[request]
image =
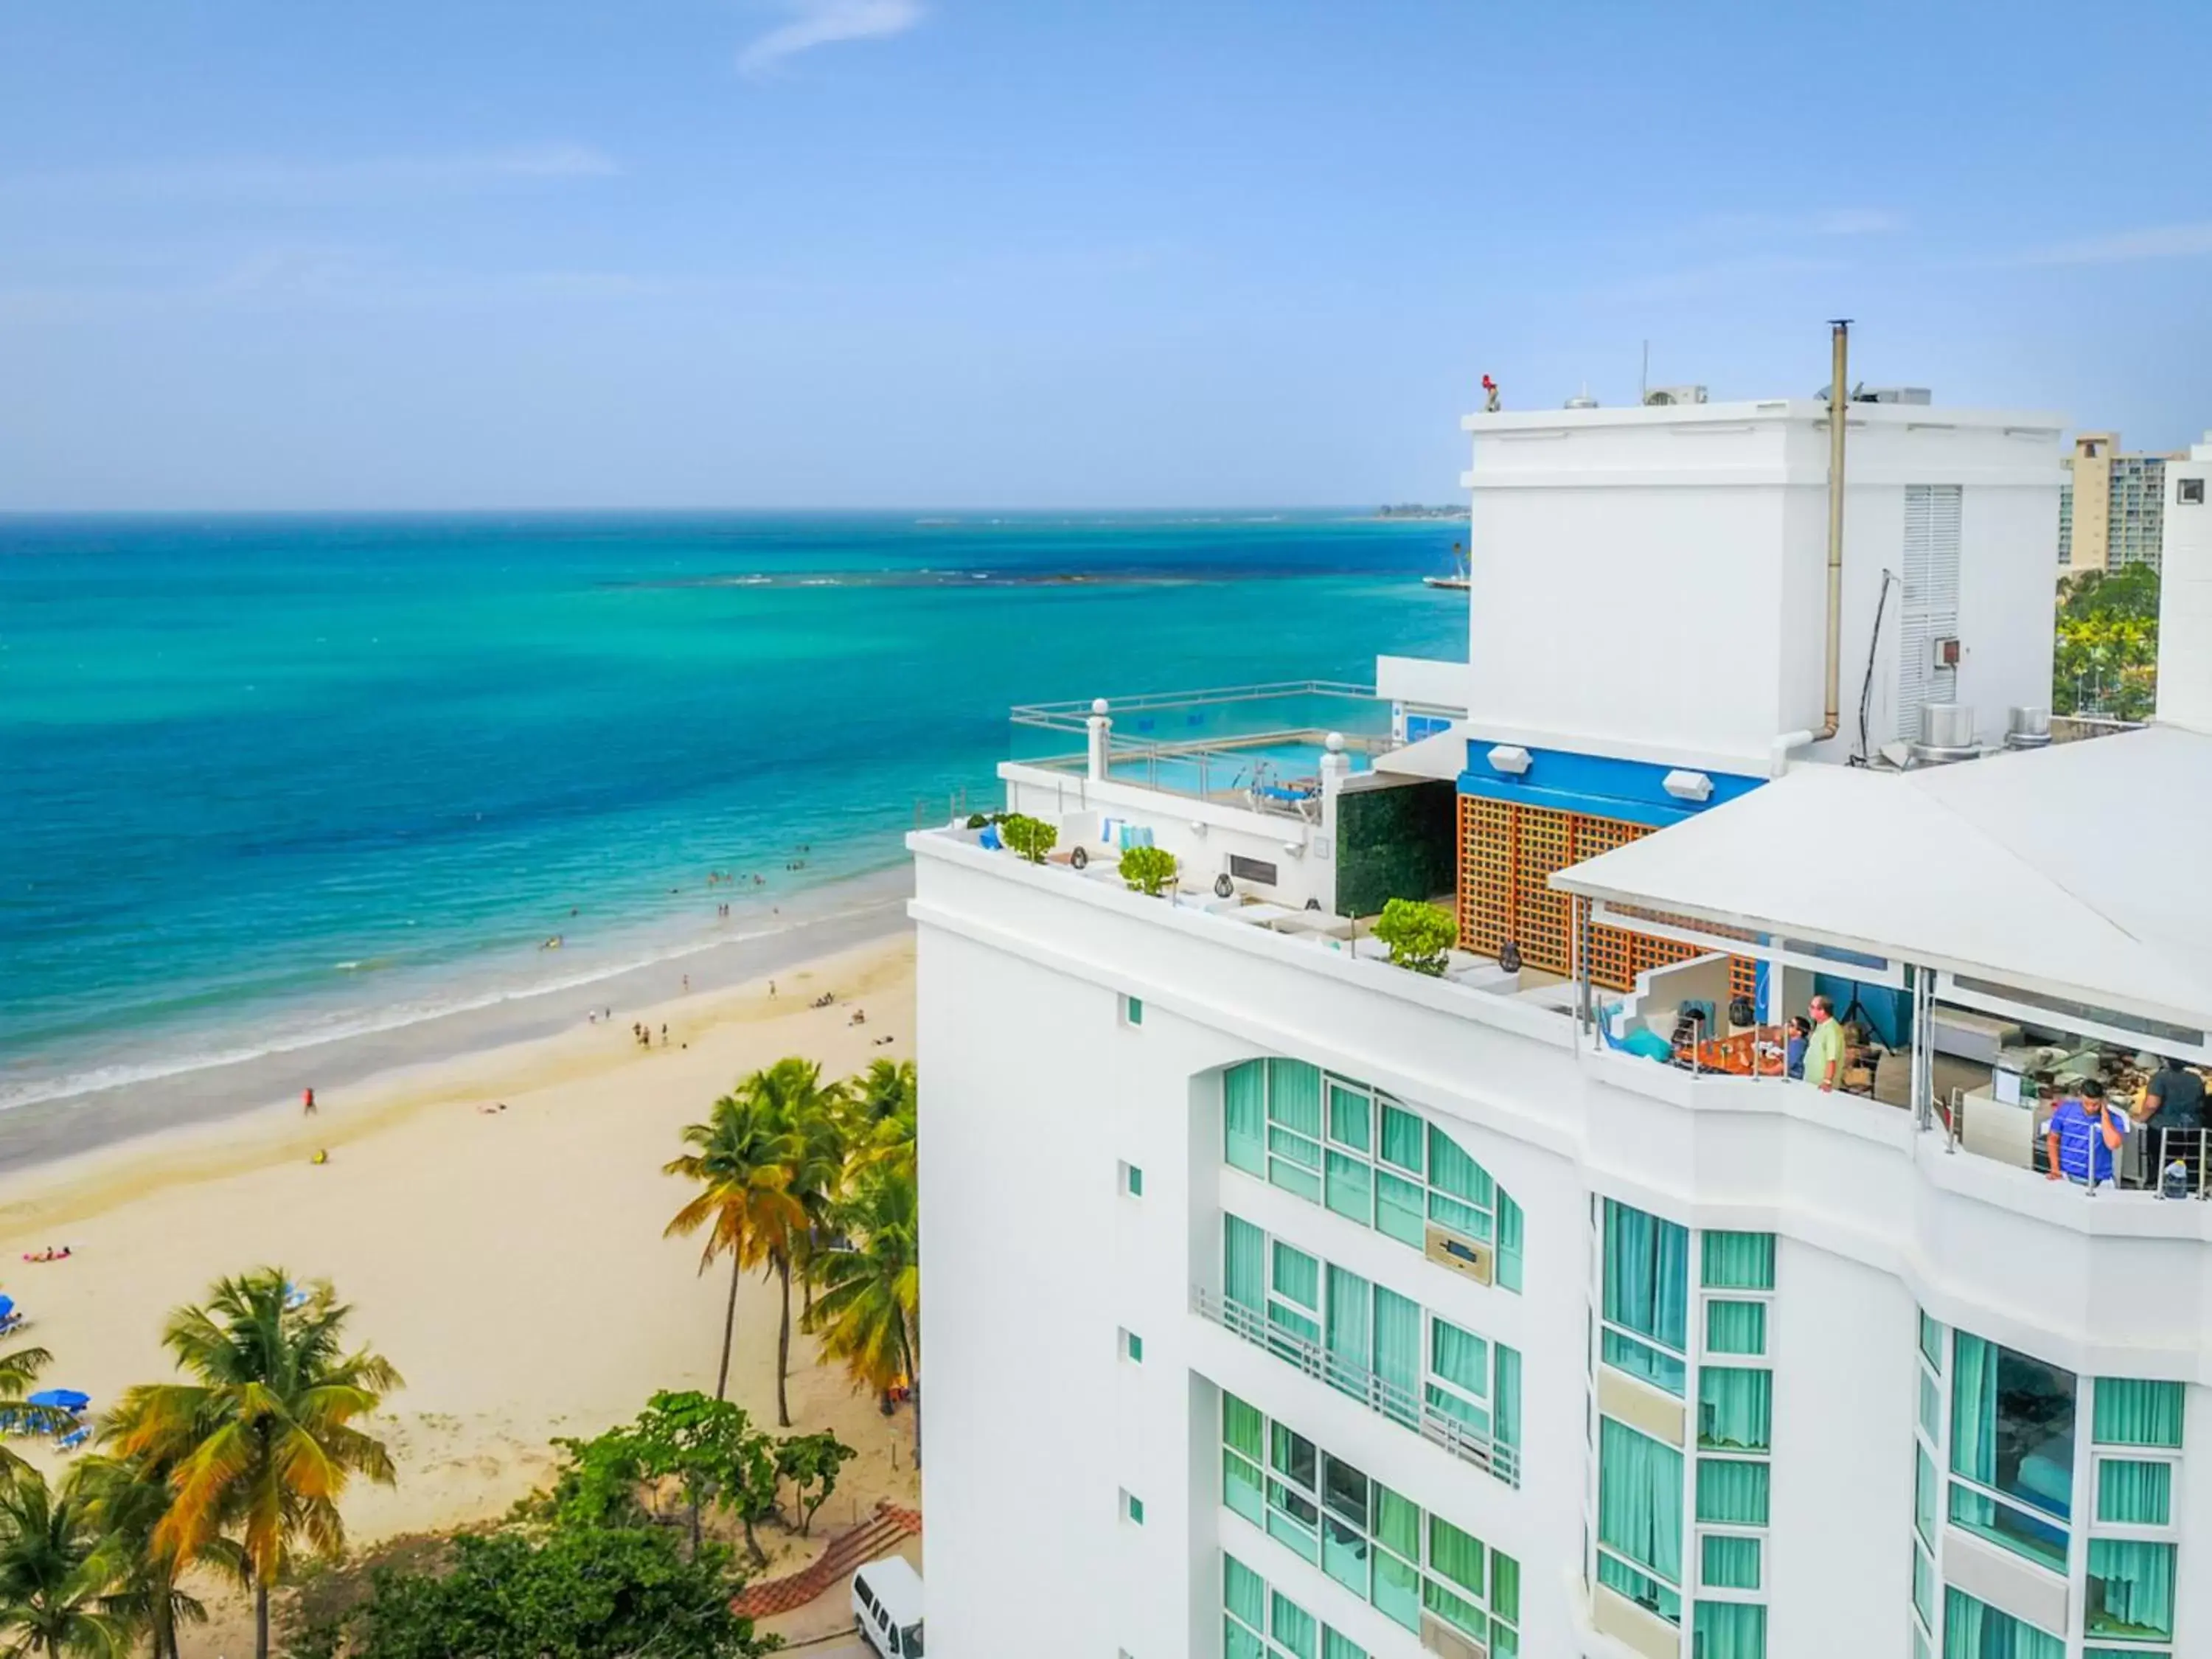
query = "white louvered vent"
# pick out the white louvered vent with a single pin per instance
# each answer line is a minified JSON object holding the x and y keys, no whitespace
{"x":1930,"y":602}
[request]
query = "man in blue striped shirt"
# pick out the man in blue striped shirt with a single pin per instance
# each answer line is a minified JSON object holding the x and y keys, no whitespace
{"x":2083,"y":1134}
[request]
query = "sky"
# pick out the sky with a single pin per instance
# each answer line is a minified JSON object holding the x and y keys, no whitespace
{"x":1027,"y":253}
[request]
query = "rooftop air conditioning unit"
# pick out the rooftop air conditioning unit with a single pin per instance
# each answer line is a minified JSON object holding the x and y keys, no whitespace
{"x":1918,"y":396}
{"x":1666,"y":396}
{"x":1460,"y":1252}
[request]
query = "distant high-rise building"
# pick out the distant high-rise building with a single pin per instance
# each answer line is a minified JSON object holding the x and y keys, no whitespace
{"x":2113,"y":513}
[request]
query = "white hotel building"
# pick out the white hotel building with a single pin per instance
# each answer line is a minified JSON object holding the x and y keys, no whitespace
{"x":1281,"y":1301}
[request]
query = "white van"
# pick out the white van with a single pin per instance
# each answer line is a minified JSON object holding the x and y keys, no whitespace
{"x":887,"y":1606}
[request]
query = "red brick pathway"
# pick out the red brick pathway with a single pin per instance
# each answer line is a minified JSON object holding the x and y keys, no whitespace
{"x":877,"y":1535}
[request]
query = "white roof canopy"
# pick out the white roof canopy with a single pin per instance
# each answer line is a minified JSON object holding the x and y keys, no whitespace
{"x":1440,"y":754}
{"x":2078,"y":872}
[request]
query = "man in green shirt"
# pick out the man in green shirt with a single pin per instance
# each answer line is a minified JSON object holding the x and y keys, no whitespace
{"x":1824,"y":1051}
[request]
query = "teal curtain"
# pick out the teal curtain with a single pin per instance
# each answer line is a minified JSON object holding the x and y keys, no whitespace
{"x":1397,"y":1591}
{"x":1403,"y":1135}
{"x":1454,"y":1172}
{"x":1242,"y":1427}
{"x":1739,"y":1262}
{"x":1241,"y":1488}
{"x":1730,"y":1629}
{"x":1242,"y":1592}
{"x":1504,"y":1587}
{"x":1294,"y":1095}
{"x":2131,"y":1590}
{"x":1728,"y":1563}
{"x":1974,"y":1630}
{"x":1401,"y":1209}
{"x":1931,"y":1341}
{"x":1639,"y":1498}
{"x":1297,"y":1277}
{"x":1453,"y":1609}
{"x":1243,"y":1263}
{"x":1351,"y":1337}
{"x":1508,"y":1243}
{"x":1506,"y":1407}
{"x":1397,"y":1349}
{"x":1293,"y":1628}
{"x":1462,"y":1218}
{"x":1735,"y":1327}
{"x":2136,"y":1411}
{"x":1733,"y":1494}
{"x":1639,"y":1588}
{"x":1924,"y":1495}
{"x":1457,"y":1555}
{"x":1460,"y":1357}
{"x":1647,"y":1280}
{"x":1243,"y":1100}
{"x":1661,"y":1369}
{"x":1351,"y":1118}
{"x":1397,"y":1524}
{"x":1931,"y":1407}
{"x":1734,"y":1408}
{"x":1336,"y":1645}
{"x":2137,"y":1494}
{"x":1237,"y":1643}
{"x":1351,"y":1189}
{"x":1924,"y":1586}
{"x":1974,"y":1408}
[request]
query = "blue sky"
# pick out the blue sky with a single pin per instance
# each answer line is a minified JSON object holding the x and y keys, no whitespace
{"x":1022,"y":252}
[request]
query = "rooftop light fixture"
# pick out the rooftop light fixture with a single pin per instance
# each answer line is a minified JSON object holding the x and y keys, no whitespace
{"x":1688,"y":785}
{"x":1509,"y":759}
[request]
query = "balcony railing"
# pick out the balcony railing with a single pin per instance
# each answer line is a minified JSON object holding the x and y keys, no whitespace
{"x":1408,"y":1411}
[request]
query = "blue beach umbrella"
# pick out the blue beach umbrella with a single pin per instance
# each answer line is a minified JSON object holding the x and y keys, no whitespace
{"x":7,"y":1306}
{"x":61,"y":1400}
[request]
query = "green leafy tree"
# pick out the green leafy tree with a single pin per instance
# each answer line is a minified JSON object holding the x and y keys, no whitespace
{"x":2104,"y":660}
{"x":868,"y":1312}
{"x":19,"y":1369}
{"x":883,"y":1091}
{"x":1148,"y":870}
{"x":54,"y":1574}
{"x":708,"y":1447}
{"x":127,"y":1497}
{"x":572,"y":1592}
{"x":742,"y":1158}
{"x":1419,"y":935}
{"x":1030,"y":837}
{"x":811,"y":1462}
{"x":260,"y":1445}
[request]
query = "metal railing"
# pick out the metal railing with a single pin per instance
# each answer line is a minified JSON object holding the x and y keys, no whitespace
{"x":1347,"y":1377}
{"x":2168,"y":1162}
{"x":1075,"y":715}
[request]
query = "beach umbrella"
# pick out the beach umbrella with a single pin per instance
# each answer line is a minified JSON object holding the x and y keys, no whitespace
{"x":7,"y":1306}
{"x":61,"y":1400}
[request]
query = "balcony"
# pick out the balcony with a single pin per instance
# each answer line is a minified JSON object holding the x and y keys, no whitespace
{"x":1494,"y":1458}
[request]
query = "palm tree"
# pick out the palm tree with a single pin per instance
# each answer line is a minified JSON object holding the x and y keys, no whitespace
{"x":127,"y":1499}
{"x":53,"y":1572}
{"x":19,"y":1369}
{"x":741,"y":1158}
{"x":811,"y":1113}
{"x":260,"y":1445}
{"x":868,"y":1312}
{"x":881,"y":1090}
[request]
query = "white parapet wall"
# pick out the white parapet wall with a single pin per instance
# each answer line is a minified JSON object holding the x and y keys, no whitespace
{"x":2184,"y":603}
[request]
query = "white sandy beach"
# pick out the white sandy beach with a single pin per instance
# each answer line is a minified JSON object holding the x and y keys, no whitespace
{"x":511,"y":1264}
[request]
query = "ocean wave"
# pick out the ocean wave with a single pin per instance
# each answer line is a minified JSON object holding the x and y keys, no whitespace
{"x":395,"y":1017}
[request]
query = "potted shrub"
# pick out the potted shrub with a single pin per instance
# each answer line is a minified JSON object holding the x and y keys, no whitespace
{"x":1420,"y":936}
{"x":1148,"y":870}
{"x":1030,"y":837}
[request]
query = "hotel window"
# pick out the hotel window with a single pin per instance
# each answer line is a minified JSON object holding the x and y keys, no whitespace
{"x":1645,"y":1302}
{"x":1260,"y":1622}
{"x":1133,"y":1179}
{"x":2189,"y":492}
{"x":1133,"y":1347}
{"x":1361,"y":1154}
{"x":1639,"y":1519}
{"x":1374,"y":1542}
{"x":1974,"y":1630}
{"x":1132,"y":1012}
{"x":2012,"y":1450}
{"x":1133,"y":1507}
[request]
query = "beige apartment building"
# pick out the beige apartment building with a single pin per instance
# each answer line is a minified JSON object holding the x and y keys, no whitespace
{"x":2113,"y":513}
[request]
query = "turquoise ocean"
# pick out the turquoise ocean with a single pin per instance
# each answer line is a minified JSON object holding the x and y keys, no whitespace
{"x":272,"y":782}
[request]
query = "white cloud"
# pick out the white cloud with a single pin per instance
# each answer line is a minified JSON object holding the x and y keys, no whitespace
{"x":827,"y":23}
{"x":2127,"y":246}
{"x":260,"y":178}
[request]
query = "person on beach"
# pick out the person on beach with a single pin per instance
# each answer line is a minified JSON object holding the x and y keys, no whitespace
{"x":306,"y":1103}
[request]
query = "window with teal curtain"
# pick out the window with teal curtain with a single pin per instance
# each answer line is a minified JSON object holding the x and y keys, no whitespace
{"x":2012,"y":1423}
{"x":1401,"y":1208}
{"x":1243,"y":1114}
{"x":1924,"y":1495}
{"x":1647,"y":1262}
{"x":1732,"y":1493}
{"x":1294,"y":1520}
{"x":1505,"y":1420}
{"x":1639,"y":1499}
{"x":1397,"y":1523}
{"x":1294,"y":1095}
{"x":1292,"y":1628}
{"x":1243,"y":1592}
{"x":1727,"y":1562}
{"x":1924,"y":1586}
{"x":1243,"y":1263}
{"x":1461,"y":1196}
{"x":1457,"y":1555}
{"x":1644,"y":1590}
{"x":1729,"y":1629}
{"x":1461,"y":1359}
{"x":2130,"y":1593}
{"x":2019,"y":1530}
{"x":2136,"y":1411}
{"x":1237,"y":1643}
{"x":1397,"y":1350}
{"x":1297,"y":1277}
{"x":1508,"y":1243}
{"x":1350,"y":1339}
{"x":2135,"y":1494}
{"x":1241,"y":1486}
{"x":1350,"y":1187}
{"x":1931,"y":1408}
{"x":1397,"y":1591}
{"x":1974,"y":1630}
{"x":1243,"y":1428}
{"x":1335,"y":1645}
{"x":1351,"y":1118}
{"x":1344,"y":1554}
{"x":1404,"y":1136}
{"x":1739,"y":1262}
{"x":1659,"y":1369}
{"x":1735,"y":1327}
{"x":1453,"y":1609}
{"x":1734,"y":1408}
{"x":1504,"y":1587}
{"x":1931,"y":1342}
